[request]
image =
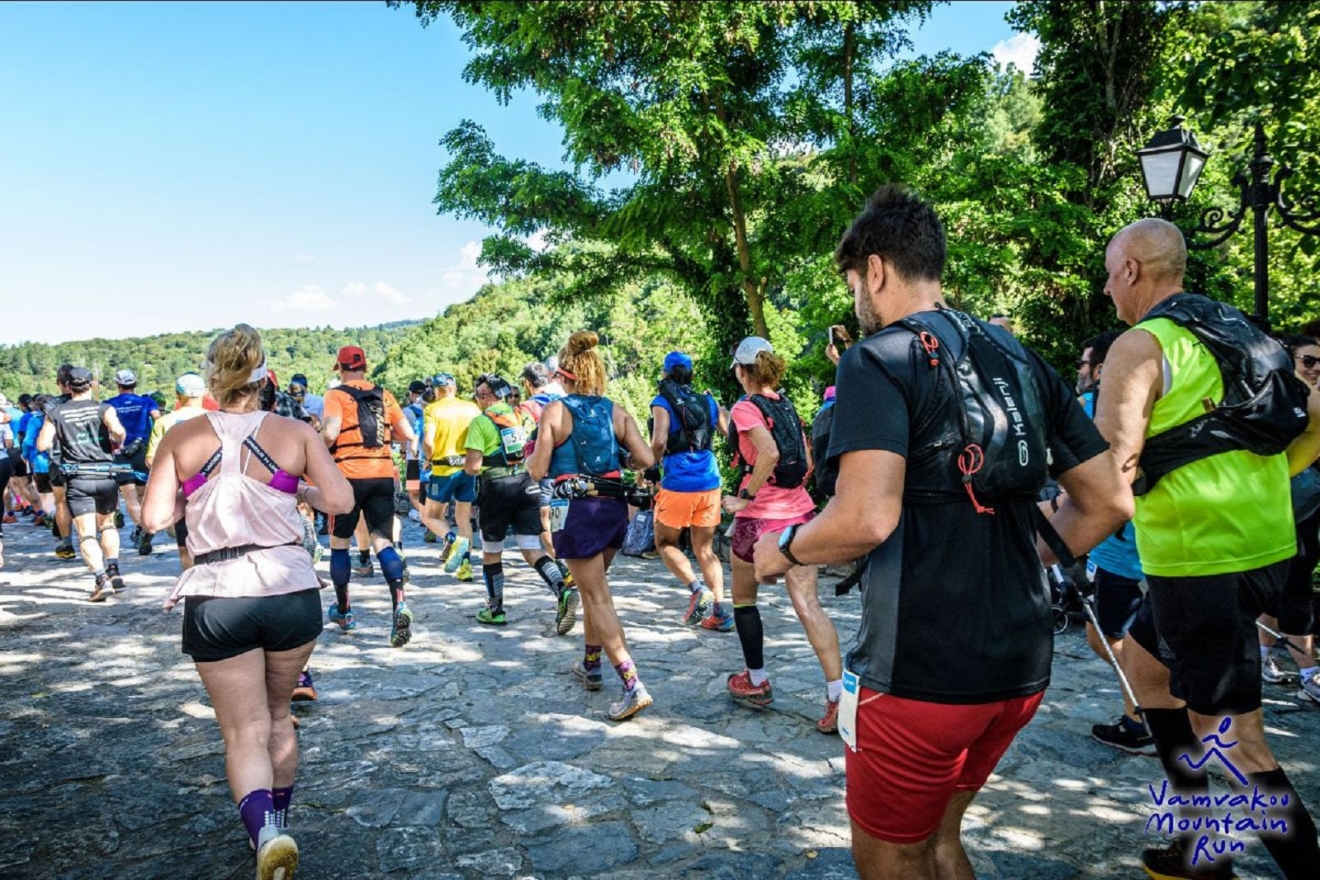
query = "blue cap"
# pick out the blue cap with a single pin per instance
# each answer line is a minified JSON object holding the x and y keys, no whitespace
{"x":677,"y":359}
{"x":443,"y":379}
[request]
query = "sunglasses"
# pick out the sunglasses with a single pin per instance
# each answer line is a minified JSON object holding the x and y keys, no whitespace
{"x":1309,"y":361}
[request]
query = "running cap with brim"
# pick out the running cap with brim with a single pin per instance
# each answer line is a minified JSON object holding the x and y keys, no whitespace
{"x":748,"y":349}
{"x":416,"y":386}
{"x":80,"y":377}
{"x":443,"y":379}
{"x":677,"y":359}
{"x":190,"y":385}
{"x":126,"y":378}
{"x":351,"y":357}
{"x":298,"y":379}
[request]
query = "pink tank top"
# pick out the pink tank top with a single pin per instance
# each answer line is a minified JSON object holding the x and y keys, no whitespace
{"x":230,"y":509}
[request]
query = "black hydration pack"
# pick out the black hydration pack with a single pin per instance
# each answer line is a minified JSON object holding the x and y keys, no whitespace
{"x":370,"y":416}
{"x":1264,"y":405}
{"x":1002,"y":422}
{"x":690,"y":431}
{"x":827,"y":472}
{"x":786,"y":429}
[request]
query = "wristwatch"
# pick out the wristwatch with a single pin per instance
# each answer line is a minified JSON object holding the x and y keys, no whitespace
{"x":785,"y":542}
{"x":745,"y":495}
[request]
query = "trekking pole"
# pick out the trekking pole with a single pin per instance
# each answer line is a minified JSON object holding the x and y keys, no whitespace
{"x":1287,"y":641}
{"x":1122,"y":679}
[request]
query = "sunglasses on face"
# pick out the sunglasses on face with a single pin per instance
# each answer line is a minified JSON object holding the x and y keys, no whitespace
{"x":1309,"y":361}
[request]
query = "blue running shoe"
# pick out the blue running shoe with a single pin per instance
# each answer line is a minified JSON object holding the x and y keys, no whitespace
{"x":344,"y":619}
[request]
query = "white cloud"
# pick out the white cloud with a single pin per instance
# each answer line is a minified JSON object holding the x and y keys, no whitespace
{"x":464,"y":277}
{"x":305,"y":258}
{"x":1020,"y":50}
{"x":385,"y":291}
{"x":308,"y":298}
{"x":536,"y":242}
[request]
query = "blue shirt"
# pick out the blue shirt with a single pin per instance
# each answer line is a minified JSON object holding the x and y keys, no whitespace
{"x":134,"y":413}
{"x":690,"y":471}
{"x":1117,"y":553}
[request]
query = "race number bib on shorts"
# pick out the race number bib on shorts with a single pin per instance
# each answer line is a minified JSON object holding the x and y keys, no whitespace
{"x":558,"y":514}
{"x":848,"y":709}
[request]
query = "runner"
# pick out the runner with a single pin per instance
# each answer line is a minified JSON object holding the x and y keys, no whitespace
{"x":444,"y":436}
{"x":63,"y":527}
{"x":313,"y":404}
{"x":1192,"y":656}
{"x":39,"y":462}
{"x":137,"y":414}
{"x":189,"y":391}
{"x":954,"y":649}
{"x":412,"y":474}
{"x":581,"y":439}
{"x":251,"y":611}
{"x":538,"y":385}
{"x":87,"y":431}
{"x":496,"y":443}
{"x":359,"y":419}
{"x":689,"y":496}
{"x":764,"y":427}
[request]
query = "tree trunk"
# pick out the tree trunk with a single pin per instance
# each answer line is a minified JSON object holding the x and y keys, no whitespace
{"x":849,"y":49}
{"x":755,"y":294}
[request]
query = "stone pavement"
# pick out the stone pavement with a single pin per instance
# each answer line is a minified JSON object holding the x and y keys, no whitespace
{"x":474,"y":752}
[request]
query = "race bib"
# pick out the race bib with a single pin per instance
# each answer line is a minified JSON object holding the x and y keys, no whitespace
{"x":558,"y":514}
{"x":848,"y":709}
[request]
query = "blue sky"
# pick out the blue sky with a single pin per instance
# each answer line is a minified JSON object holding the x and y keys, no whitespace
{"x":185,"y":166}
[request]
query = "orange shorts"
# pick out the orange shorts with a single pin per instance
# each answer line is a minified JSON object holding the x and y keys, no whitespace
{"x":678,"y":510}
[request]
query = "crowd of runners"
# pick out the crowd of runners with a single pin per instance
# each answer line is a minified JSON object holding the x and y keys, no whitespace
{"x":951,"y":463}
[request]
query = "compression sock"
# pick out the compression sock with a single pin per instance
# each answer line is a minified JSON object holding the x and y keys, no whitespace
{"x":628,"y":673}
{"x":1174,"y":737}
{"x":391,"y":565}
{"x":1294,"y":846}
{"x":591,"y":658}
{"x":258,"y":810}
{"x":340,"y":569}
{"x":494,"y":575}
{"x":281,"y":797}
{"x":549,"y":572}
{"x":834,"y":690}
{"x":747,"y":620}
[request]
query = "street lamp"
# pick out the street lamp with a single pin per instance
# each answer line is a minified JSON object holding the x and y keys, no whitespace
{"x":1171,"y":164}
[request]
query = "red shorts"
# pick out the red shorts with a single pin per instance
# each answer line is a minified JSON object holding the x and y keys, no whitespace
{"x":912,"y":756}
{"x":747,"y":531}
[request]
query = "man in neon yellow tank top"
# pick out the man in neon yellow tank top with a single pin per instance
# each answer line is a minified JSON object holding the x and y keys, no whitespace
{"x":1215,"y":536}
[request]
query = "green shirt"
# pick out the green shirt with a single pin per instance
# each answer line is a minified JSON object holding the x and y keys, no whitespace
{"x":1225,"y":513}
{"x":485,"y":435}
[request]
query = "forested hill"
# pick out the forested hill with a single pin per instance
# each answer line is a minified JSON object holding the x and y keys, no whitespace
{"x":158,"y":360}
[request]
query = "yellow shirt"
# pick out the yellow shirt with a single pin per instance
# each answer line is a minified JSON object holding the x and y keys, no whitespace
{"x":445,"y":426}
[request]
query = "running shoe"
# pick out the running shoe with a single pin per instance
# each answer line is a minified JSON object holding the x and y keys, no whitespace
{"x":1170,"y":863}
{"x":104,"y":589}
{"x":457,"y":553}
{"x":829,"y":722}
{"x":493,"y":618}
{"x":1270,"y":673}
{"x":144,"y":542}
{"x":401,"y":630}
{"x":632,"y":702}
{"x":566,"y":611}
{"x":741,"y":688}
{"x":116,"y":579}
{"x":429,"y":537}
{"x":721,"y":623}
{"x":407,"y":574}
{"x":344,"y":619}
{"x":65,"y":552}
{"x":277,"y":857}
{"x":699,"y":606}
{"x":464,"y":572}
{"x":135,"y":534}
{"x":119,"y":519}
{"x":592,"y":681}
{"x":365,"y":570}
{"x":1123,"y":736}
{"x":305,"y":692}
{"x":1310,"y":688}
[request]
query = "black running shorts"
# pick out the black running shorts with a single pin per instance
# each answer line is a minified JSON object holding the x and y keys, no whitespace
{"x":43,"y":483}
{"x":373,"y":499}
{"x":1204,"y":629}
{"x":217,"y":629}
{"x":515,"y":501}
{"x":92,"y":494}
{"x":138,"y":462}
{"x":19,"y":463}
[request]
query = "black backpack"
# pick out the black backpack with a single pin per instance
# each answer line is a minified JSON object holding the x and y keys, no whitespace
{"x":1264,"y":405}
{"x":827,"y":472}
{"x":371,"y":424}
{"x":1002,"y":421}
{"x":786,"y":429}
{"x":691,"y":418}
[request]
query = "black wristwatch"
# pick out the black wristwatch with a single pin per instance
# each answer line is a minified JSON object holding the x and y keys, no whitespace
{"x":745,"y":495}
{"x":785,"y":542}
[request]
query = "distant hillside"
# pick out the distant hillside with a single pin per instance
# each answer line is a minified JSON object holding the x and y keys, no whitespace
{"x":158,"y":360}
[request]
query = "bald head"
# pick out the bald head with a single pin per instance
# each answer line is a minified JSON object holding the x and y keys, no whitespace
{"x":1157,"y":245}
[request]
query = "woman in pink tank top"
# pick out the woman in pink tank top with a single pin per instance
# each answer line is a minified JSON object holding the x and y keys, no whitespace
{"x":252,"y":612}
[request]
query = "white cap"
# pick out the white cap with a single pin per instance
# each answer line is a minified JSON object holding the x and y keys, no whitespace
{"x":748,"y":349}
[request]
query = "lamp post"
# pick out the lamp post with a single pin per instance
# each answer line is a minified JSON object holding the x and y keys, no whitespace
{"x":1170,"y":166}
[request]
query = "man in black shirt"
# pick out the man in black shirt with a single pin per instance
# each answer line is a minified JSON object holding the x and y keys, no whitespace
{"x":88,"y":431}
{"x":954,"y":649}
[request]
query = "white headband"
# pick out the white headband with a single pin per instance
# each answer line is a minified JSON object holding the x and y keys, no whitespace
{"x":256,"y":376}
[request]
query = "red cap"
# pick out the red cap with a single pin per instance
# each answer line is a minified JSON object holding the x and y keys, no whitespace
{"x":351,"y":358}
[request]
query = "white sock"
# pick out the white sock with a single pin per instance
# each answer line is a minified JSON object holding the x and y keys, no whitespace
{"x":834,"y":690}
{"x":1265,"y":651}
{"x":758,"y":676}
